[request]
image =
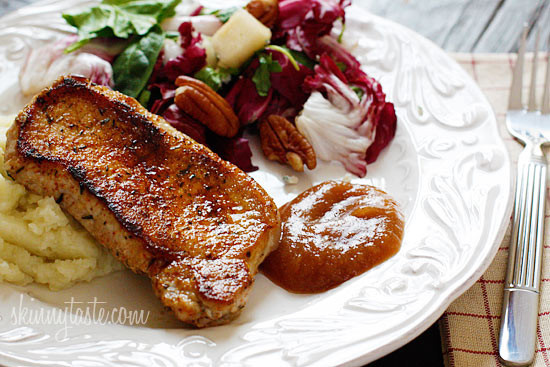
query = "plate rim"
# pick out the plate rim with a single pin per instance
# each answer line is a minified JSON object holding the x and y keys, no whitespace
{"x":460,"y":289}
{"x":452,"y":293}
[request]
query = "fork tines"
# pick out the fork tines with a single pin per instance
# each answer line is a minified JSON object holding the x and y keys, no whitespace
{"x":515,"y":101}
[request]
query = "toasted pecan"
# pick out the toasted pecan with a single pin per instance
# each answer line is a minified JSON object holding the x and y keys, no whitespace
{"x":266,"y":11}
{"x":202,"y":103}
{"x":282,"y":142}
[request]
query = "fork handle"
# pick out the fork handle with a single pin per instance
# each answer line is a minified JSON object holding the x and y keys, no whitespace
{"x":521,"y":290}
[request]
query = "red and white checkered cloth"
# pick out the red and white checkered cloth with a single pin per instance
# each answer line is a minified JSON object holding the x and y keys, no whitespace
{"x":470,"y":326}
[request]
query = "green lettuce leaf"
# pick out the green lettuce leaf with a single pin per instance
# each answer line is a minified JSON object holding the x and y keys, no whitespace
{"x":262,"y":74}
{"x":295,"y":57}
{"x":360,"y":92}
{"x":223,"y":14}
{"x":133,"y":67}
{"x":302,"y":58}
{"x":119,"y":18}
{"x":215,"y":78}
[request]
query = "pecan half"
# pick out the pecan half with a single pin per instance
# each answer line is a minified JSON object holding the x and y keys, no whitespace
{"x":282,"y":142}
{"x":266,"y":11}
{"x":202,"y":103}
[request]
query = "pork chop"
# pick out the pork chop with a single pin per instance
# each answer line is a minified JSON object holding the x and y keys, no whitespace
{"x":163,"y":204}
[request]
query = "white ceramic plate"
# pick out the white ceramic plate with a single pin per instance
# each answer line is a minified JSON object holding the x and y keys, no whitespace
{"x":447,"y":167}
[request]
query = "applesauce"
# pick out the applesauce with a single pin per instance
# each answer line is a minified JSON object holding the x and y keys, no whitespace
{"x":331,"y":233}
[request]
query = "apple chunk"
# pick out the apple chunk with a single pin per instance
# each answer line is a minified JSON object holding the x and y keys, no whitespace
{"x":238,"y":39}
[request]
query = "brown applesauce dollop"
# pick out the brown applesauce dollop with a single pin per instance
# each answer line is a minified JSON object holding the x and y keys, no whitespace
{"x":333,"y":232}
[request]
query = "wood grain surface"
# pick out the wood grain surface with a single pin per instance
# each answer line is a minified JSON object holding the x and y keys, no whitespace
{"x":469,"y":25}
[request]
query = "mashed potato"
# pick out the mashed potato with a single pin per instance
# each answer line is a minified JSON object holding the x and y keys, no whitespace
{"x":39,"y":242}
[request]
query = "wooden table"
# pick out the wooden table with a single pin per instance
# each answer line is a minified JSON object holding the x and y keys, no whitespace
{"x":469,"y":25}
{"x":456,"y":26}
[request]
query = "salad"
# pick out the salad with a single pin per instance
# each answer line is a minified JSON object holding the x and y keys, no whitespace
{"x":275,"y":68}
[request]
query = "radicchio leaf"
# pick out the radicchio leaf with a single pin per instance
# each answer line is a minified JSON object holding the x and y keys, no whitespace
{"x":286,"y":96}
{"x":197,"y":11}
{"x":385,"y":132}
{"x":45,"y":64}
{"x":248,"y":105}
{"x":302,"y":22}
{"x":360,"y":127}
{"x":181,"y":121}
{"x":161,"y":83}
{"x":165,"y":93}
{"x":288,"y":83}
{"x":235,"y":150}
{"x":193,"y":58}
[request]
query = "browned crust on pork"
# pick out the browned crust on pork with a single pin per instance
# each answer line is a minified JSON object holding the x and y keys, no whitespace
{"x":163,"y":204}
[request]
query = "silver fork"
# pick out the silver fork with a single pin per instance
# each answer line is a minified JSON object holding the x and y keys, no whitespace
{"x":521,"y":289}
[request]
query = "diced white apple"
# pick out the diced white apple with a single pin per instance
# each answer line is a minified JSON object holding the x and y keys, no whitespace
{"x":211,"y":58}
{"x":238,"y":39}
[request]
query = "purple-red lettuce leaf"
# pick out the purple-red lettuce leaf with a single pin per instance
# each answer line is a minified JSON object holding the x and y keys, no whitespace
{"x":344,"y":125}
{"x":327,"y":74}
{"x":329,"y":45}
{"x":163,"y":94}
{"x":235,"y":150}
{"x":43,"y":65}
{"x":197,"y":11}
{"x":248,"y":105}
{"x":302,"y":22}
{"x":385,"y":132}
{"x":161,"y":84}
{"x":279,"y":105}
{"x":288,"y":83}
{"x":187,"y":125}
{"x":193,"y":57}
{"x":286,"y":96}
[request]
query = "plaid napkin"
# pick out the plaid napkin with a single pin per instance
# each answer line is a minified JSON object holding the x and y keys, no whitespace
{"x":470,"y":326}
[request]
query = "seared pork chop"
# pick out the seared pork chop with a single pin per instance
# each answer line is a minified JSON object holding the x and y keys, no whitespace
{"x":164,"y":205}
